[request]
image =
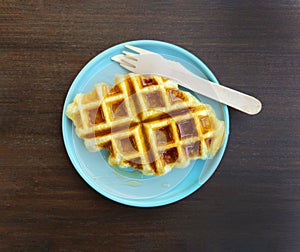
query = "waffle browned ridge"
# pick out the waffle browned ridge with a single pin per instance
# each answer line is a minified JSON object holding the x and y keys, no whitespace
{"x":146,"y":123}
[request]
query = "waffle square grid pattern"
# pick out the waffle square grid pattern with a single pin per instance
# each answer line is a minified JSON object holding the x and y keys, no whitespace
{"x":146,"y":123}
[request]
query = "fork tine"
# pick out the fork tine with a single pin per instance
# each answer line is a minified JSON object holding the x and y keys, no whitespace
{"x":118,"y":58}
{"x":127,"y":62}
{"x":128,"y":67}
{"x":136,"y":49}
{"x":130,"y":55}
{"x":124,"y":61}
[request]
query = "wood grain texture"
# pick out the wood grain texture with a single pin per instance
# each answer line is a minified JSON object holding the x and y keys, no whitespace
{"x":252,"y":203}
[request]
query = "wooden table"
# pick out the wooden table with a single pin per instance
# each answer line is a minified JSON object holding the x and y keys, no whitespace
{"x":252,"y":202}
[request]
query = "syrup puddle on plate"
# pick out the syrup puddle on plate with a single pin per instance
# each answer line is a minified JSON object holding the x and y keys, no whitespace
{"x":133,"y":183}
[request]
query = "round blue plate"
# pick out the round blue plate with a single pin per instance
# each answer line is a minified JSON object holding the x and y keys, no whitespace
{"x":128,"y":186}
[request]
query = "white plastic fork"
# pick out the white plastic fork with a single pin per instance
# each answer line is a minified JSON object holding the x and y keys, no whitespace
{"x":149,"y":63}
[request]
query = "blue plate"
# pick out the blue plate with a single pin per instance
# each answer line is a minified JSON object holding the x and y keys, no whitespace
{"x":128,"y":186}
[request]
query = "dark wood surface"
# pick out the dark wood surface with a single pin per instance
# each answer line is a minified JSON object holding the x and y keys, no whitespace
{"x":252,"y":202}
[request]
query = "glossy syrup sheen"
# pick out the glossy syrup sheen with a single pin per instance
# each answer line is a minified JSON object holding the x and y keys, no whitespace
{"x":187,"y":128}
{"x":164,"y":135}
{"x":96,"y":116}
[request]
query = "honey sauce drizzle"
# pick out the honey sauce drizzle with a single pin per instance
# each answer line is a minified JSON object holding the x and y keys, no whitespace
{"x":185,"y":128}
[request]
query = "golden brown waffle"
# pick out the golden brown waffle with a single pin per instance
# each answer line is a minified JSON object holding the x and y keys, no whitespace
{"x":146,"y":123}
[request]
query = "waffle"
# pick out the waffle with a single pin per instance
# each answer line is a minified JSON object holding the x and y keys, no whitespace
{"x":146,"y":123}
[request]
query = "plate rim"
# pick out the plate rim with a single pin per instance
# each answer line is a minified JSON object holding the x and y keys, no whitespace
{"x":142,"y":203}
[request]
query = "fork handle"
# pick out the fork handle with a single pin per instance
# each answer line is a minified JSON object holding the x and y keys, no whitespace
{"x":225,"y":95}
